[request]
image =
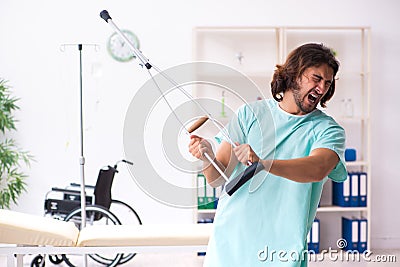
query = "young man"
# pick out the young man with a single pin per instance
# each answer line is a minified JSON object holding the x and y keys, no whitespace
{"x":266,"y":221}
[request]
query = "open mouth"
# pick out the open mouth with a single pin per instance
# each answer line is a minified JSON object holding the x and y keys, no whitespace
{"x":312,"y":97}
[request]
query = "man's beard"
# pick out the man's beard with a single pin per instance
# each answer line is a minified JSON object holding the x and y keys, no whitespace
{"x":299,"y":100}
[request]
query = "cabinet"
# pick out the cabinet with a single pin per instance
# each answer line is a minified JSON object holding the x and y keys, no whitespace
{"x":254,"y":52}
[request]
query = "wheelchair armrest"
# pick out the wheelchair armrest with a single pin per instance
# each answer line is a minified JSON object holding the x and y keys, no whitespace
{"x":79,"y":185}
{"x":63,"y":190}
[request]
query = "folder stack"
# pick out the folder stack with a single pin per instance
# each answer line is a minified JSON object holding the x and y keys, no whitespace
{"x":352,"y":192}
{"x":206,"y":195}
{"x":354,"y":231}
{"x":207,"y":198}
{"x":313,"y":236}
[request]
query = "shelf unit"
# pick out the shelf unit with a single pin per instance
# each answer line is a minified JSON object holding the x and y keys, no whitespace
{"x":254,"y":51}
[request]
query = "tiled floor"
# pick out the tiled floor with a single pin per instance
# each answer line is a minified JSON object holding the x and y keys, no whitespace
{"x":375,"y":259}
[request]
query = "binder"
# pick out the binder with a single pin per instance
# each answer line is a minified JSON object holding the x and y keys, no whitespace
{"x":354,"y":188}
{"x":313,"y":236}
{"x":341,"y":193}
{"x":218,"y":193}
{"x":210,"y":197}
{"x":201,"y":191}
{"x":362,"y":182}
{"x":350,"y":229}
{"x":205,"y":194}
{"x":363,"y":235}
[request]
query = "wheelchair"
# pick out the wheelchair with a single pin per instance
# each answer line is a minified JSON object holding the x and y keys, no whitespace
{"x":101,"y":209}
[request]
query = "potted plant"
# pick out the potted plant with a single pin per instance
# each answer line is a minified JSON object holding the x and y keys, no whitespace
{"x":12,"y":183}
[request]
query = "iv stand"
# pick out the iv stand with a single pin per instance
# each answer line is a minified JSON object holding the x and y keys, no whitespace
{"x":239,"y":180}
{"x":81,"y":156}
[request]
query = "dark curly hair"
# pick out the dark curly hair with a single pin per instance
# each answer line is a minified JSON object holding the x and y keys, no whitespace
{"x":308,"y":55}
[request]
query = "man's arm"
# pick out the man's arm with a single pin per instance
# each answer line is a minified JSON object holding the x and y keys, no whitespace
{"x":312,"y":168}
{"x":224,"y":158}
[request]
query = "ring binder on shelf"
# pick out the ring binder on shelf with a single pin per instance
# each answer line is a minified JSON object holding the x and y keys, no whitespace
{"x":362,"y":183}
{"x":350,"y":233}
{"x":313,"y":236}
{"x":352,"y":192}
{"x":206,"y":195}
{"x":341,"y":193}
{"x":363,"y":233}
{"x":354,"y":189}
{"x":355,"y":232}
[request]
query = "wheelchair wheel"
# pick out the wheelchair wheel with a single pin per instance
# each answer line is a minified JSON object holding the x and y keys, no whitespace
{"x":95,"y":215}
{"x":125,"y":213}
{"x":55,"y":259}
{"x":127,"y":216}
{"x":38,"y":261}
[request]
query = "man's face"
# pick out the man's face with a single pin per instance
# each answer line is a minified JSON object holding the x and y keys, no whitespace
{"x":311,"y":87}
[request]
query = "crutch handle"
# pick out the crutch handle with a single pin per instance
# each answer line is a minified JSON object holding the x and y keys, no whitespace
{"x":104,"y":15}
{"x":197,"y":124}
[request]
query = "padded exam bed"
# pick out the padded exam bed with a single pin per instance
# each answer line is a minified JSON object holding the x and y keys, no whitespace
{"x":22,"y":233}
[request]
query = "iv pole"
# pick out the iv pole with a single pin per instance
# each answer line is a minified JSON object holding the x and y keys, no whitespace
{"x":239,"y":180}
{"x":81,"y":156}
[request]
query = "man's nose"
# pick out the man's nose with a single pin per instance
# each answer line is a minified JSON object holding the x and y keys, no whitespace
{"x":321,"y":88}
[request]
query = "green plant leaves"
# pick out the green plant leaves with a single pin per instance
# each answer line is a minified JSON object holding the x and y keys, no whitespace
{"x":7,"y":106}
{"x":12,"y":183}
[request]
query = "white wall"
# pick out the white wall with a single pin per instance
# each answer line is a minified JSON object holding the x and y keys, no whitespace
{"x":47,"y":81}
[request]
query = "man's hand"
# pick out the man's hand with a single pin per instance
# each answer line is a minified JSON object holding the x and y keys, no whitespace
{"x":245,"y":154}
{"x":198,"y":146}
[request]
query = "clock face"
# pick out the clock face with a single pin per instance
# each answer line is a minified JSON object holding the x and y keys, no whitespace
{"x":119,"y":49}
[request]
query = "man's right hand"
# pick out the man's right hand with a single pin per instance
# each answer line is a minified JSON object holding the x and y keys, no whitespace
{"x":198,"y":146}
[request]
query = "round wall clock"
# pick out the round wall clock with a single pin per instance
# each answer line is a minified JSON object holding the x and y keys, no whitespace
{"x":118,"y":48}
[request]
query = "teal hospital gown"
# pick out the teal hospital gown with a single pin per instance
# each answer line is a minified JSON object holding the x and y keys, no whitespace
{"x":265,"y":222}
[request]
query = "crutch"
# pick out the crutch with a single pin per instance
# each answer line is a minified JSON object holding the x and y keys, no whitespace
{"x":236,"y":182}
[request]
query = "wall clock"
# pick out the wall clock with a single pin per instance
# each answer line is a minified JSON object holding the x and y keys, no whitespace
{"x":118,"y":48}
